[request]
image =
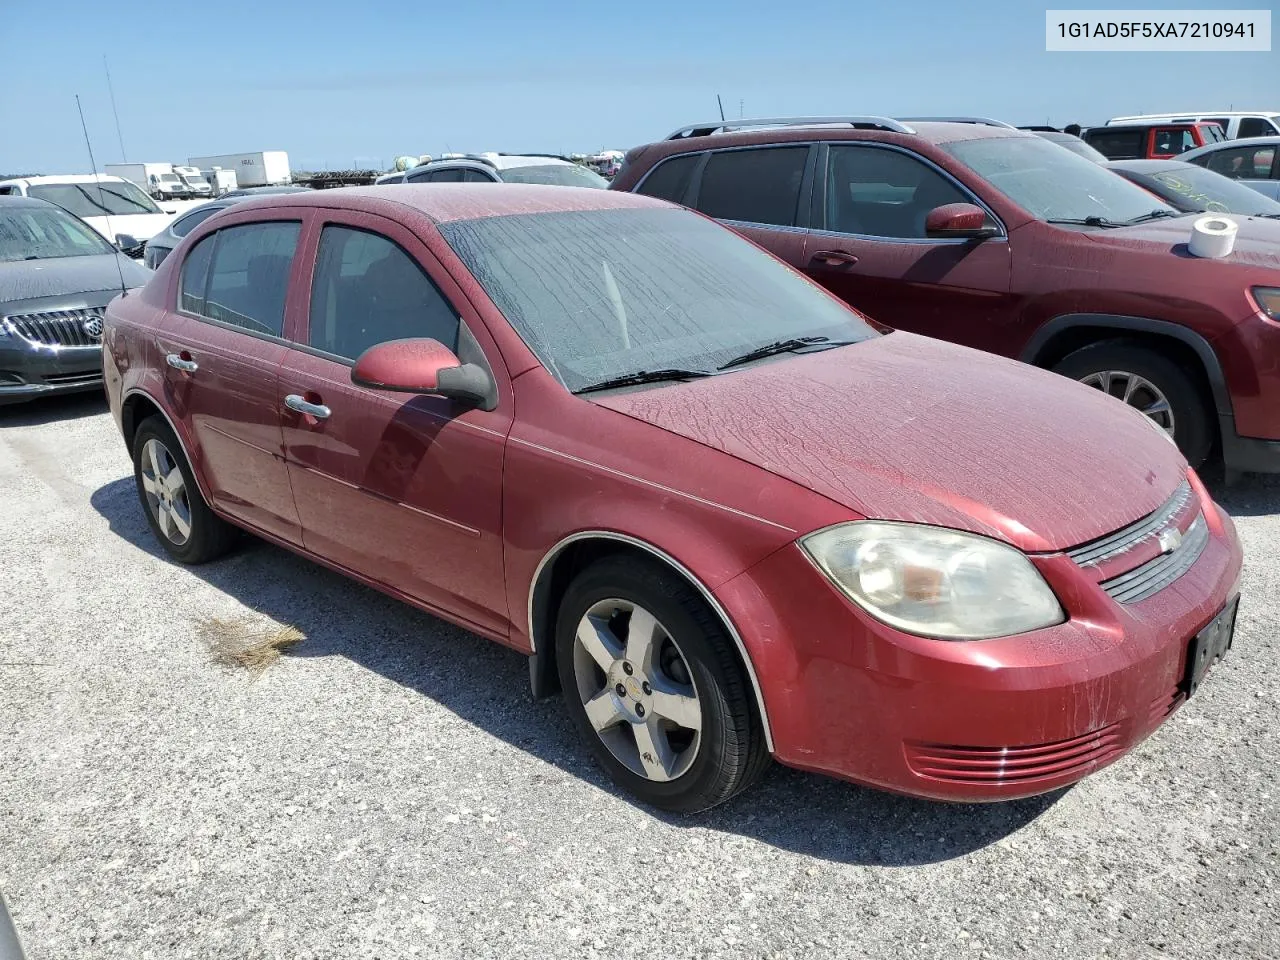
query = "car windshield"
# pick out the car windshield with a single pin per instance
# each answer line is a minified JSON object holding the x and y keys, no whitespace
{"x":42,"y":233}
{"x":606,"y":293}
{"x":169,"y":178}
{"x":114,"y":197}
{"x":556,"y":174}
{"x":1051,"y":183}
{"x":1195,"y":188}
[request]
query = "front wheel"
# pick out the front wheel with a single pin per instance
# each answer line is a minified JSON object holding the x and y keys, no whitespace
{"x":653,"y":683}
{"x":1151,"y":383}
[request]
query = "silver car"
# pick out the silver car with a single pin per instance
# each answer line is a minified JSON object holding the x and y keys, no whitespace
{"x":1254,"y":161}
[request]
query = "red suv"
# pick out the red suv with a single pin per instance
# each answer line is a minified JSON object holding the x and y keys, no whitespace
{"x":993,"y":237}
{"x":724,"y":513}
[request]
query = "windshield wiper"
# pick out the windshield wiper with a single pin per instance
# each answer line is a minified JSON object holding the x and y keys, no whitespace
{"x":1154,"y":215}
{"x":782,"y":346}
{"x":645,"y":376}
{"x":1086,"y":221}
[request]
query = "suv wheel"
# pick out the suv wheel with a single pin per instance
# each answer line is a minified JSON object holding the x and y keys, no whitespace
{"x":654,"y":686}
{"x":180,"y":519}
{"x":1151,"y":383}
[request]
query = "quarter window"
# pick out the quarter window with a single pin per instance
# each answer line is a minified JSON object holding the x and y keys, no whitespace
{"x":367,"y":291}
{"x":760,"y":185}
{"x":240,"y":275}
{"x":876,"y":192}
{"x":669,"y":180}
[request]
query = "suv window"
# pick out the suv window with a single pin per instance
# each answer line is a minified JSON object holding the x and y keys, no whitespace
{"x":669,"y":180}
{"x":1242,"y":163}
{"x":1255,"y":127}
{"x":756,"y":185}
{"x":1117,"y":144}
{"x":475,"y":176}
{"x":876,"y":192}
{"x":367,"y":291}
{"x":192,"y":220}
{"x":1174,"y":140}
{"x":240,"y":275}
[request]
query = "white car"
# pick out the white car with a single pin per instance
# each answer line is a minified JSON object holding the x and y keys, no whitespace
{"x":115,"y":207}
{"x":1236,"y":124}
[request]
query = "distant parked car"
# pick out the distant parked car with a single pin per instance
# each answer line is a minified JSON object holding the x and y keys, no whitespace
{"x":57,"y":275}
{"x":1072,"y":143}
{"x":1235,"y":124}
{"x":1151,"y":141}
{"x":264,"y":191}
{"x":506,"y":168}
{"x":1195,"y":189}
{"x":724,"y":514}
{"x":997,"y":239}
{"x":1254,"y":162}
{"x":396,"y":177}
{"x":115,"y":207}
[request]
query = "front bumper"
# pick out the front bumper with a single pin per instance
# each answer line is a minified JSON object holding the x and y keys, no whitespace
{"x":980,"y":720}
{"x":28,"y":370}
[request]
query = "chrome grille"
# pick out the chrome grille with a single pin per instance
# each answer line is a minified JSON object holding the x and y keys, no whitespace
{"x":1114,"y":544}
{"x":1154,"y":575}
{"x":57,"y":328}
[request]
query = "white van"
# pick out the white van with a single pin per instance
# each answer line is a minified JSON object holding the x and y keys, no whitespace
{"x":1235,"y":123}
{"x":113,"y":206}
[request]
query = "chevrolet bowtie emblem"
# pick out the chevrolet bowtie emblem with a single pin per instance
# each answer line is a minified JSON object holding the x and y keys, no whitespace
{"x":1170,"y":540}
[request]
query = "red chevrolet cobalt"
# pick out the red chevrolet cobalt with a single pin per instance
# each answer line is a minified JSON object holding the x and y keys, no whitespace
{"x":728,"y":517}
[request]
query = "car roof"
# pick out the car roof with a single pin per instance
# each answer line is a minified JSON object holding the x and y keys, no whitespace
{"x":16,"y":201}
{"x":1178,"y":122}
{"x":68,"y":178}
{"x":1197,"y":114}
{"x":448,"y":202}
{"x":498,"y":161}
{"x":1151,"y":166}
{"x":1258,"y":142}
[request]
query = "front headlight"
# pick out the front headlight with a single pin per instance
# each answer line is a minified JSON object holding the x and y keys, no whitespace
{"x":934,"y":582}
{"x":1268,"y":300}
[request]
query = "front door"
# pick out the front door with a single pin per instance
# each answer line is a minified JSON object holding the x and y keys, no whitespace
{"x":221,"y":350}
{"x":871,"y":202}
{"x":402,"y":489}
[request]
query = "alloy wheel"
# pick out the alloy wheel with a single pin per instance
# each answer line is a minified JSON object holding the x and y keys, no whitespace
{"x":637,"y":690}
{"x":166,"y":492}
{"x":1138,"y":392}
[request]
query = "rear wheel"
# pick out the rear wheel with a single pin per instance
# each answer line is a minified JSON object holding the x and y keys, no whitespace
{"x":179,"y":517}
{"x":654,"y":685}
{"x":1151,"y":383}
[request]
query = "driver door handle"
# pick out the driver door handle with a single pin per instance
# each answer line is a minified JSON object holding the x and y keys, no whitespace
{"x":298,"y":403}
{"x":835,"y":258}
{"x":182,"y":361}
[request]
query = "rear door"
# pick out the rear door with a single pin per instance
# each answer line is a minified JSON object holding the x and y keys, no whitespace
{"x":760,"y":192}
{"x":222,"y":348}
{"x":869,"y":246}
{"x":401,"y":489}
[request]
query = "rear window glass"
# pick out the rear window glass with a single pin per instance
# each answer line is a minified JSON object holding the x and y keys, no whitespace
{"x":1117,"y":144}
{"x":669,"y":180}
{"x":759,"y":185}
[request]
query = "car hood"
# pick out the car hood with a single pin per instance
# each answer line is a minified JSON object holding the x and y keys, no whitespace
{"x":142,"y":226}
{"x":1257,"y":239}
{"x":34,"y":279}
{"x":913,"y":429}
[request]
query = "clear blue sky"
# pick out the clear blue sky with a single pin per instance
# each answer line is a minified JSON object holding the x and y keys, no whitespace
{"x":337,"y":84}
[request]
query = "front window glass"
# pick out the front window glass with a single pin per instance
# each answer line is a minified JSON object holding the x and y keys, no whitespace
{"x":875,"y":192}
{"x":1242,"y":163}
{"x":108,"y":197}
{"x":1051,"y":183}
{"x":556,"y":174}
{"x":604,"y":293}
{"x":32,"y":233}
{"x":367,"y":290}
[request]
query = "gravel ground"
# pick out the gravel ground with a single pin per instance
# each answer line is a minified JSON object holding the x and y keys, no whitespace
{"x":389,"y":789}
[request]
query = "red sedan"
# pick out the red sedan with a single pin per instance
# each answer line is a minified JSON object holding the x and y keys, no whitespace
{"x":725,"y":514}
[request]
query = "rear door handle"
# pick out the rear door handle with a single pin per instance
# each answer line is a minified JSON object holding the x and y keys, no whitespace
{"x":182,"y":361}
{"x":835,"y":258}
{"x":300,"y":404}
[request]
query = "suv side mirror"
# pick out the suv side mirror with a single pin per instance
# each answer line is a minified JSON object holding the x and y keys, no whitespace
{"x":424,"y":366}
{"x":126,"y":242}
{"x":952,"y":220}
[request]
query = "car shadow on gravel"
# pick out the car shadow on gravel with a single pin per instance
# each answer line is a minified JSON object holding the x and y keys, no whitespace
{"x":1249,"y":495}
{"x":68,"y":406}
{"x":487,"y":685}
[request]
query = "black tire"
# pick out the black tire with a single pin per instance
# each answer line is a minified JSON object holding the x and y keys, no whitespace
{"x":210,"y":536}
{"x":731,"y":754}
{"x":1193,"y":421}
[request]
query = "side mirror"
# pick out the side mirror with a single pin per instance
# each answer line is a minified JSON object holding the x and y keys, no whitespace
{"x":423,"y":366}
{"x":125,"y":242}
{"x":952,"y":220}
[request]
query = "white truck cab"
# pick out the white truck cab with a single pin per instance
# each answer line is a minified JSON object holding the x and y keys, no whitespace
{"x":195,"y":182}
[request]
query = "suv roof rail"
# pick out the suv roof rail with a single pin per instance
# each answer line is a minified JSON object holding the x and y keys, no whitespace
{"x":728,"y":126}
{"x":984,"y":121}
